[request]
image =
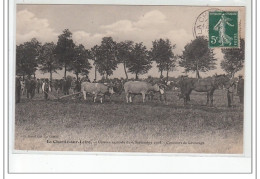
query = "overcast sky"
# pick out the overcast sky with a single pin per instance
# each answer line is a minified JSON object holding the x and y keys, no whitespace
{"x":89,"y":23}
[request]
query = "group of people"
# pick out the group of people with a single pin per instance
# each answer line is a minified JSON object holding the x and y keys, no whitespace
{"x":29,"y":86}
{"x":32,"y":85}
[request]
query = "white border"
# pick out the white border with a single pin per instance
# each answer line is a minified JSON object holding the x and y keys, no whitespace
{"x":135,"y":163}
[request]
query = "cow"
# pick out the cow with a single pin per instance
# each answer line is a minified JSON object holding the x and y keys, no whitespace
{"x":140,"y":87}
{"x":96,"y":89}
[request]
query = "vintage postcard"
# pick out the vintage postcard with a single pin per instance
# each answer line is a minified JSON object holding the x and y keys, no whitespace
{"x":123,"y":78}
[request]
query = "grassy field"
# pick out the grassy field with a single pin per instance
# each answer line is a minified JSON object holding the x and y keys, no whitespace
{"x":75,"y":125}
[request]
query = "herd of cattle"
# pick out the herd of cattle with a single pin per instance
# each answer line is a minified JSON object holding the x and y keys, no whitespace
{"x":147,"y":89}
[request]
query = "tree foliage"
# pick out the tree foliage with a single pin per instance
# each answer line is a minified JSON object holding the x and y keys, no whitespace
{"x":27,"y":57}
{"x":233,"y":59}
{"x":197,"y":56}
{"x":161,"y":52}
{"x":93,"y":55}
{"x":47,"y":60}
{"x":80,"y":63}
{"x":105,"y":60}
{"x":124,"y":50}
{"x":139,"y":62}
{"x":65,"y":49}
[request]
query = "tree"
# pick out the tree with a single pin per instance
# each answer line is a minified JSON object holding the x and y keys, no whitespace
{"x":65,"y":49}
{"x":47,"y":60}
{"x":80,"y":63}
{"x":197,"y":56}
{"x":162,"y":54}
{"x":233,"y":59}
{"x":27,"y":57}
{"x":106,"y":61}
{"x":93,"y":56}
{"x":139,"y":62}
{"x":124,"y":53}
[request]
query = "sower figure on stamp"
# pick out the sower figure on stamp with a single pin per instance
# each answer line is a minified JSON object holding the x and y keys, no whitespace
{"x":240,"y":89}
{"x":45,"y":88}
{"x":221,"y":28}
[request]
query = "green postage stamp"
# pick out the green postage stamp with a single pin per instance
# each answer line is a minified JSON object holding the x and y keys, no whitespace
{"x":223,"y":29}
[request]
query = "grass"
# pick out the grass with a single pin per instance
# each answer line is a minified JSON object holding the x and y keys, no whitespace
{"x":120,"y":127}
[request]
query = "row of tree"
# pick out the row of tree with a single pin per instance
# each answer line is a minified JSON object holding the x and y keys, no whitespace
{"x":136,"y":59}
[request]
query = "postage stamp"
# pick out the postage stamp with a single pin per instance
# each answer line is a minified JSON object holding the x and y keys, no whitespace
{"x":223,"y":29}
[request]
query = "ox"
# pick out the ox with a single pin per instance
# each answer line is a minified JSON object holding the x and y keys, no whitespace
{"x":96,"y":89}
{"x":140,"y":87}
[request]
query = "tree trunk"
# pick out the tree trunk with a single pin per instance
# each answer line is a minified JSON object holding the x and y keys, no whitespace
{"x":95,"y":72}
{"x":232,"y":74}
{"x":136,"y":76}
{"x":161,"y":74}
{"x":197,"y":74}
{"x":197,"y":70}
{"x":65,"y":70}
{"x":125,"y":71}
{"x":106,"y":76}
{"x":50,"y":80}
{"x":167,"y":75}
{"x":77,"y":76}
{"x":50,"y":75}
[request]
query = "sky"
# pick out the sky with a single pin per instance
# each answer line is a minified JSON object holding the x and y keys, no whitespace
{"x":89,"y":23}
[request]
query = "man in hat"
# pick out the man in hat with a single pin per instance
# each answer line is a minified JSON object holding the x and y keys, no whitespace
{"x":240,"y":89}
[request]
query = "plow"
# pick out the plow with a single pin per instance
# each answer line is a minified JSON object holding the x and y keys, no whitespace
{"x":61,"y":97}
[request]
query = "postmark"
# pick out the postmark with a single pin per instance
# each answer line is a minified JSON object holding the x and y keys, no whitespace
{"x":201,"y":25}
{"x":223,"y":29}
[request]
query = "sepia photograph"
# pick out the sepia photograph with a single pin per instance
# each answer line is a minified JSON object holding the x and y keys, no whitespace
{"x":129,"y":78}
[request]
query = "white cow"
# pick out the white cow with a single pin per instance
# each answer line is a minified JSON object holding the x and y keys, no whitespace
{"x":96,"y":89}
{"x":140,"y":87}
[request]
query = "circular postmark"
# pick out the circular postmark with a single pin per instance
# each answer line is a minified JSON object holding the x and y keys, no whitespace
{"x":201,"y":25}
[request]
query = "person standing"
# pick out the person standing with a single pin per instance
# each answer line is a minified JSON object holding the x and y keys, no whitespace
{"x":45,"y":88}
{"x":33,"y":86}
{"x":30,"y":85}
{"x":240,"y":89}
{"x":18,"y":90}
{"x":230,"y":93}
{"x":38,"y":85}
